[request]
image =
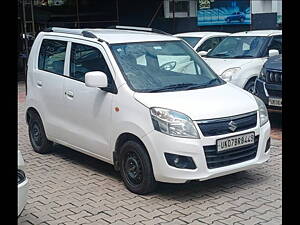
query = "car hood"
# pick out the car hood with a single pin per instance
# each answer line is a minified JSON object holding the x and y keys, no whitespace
{"x":220,"y":65}
{"x":274,"y":63}
{"x":207,"y":103}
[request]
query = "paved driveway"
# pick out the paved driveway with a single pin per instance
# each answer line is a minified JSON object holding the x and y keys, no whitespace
{"x":67,"y":187}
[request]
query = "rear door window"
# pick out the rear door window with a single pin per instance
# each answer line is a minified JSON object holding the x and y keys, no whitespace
{"x":52,"y":56}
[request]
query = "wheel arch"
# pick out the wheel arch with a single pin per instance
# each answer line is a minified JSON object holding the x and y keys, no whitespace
{"x":122,"y":138}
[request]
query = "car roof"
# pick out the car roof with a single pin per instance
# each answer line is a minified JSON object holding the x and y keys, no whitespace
{"x":201,"y":34}
{"x":113,"y":36}
{"x":258,"y":33}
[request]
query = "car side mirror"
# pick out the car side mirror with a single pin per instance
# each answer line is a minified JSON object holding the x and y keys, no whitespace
{"x":96,"y":79}
{"x":273,"y":52}
{"x":202,"y":53}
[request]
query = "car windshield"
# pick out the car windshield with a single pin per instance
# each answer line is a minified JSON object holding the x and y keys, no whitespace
{"x":239,"y":47}
{"x":192,"y":41}
{"x":163,"y":66}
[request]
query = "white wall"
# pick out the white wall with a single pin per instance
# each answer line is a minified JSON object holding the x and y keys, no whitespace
{"x":266,"y":6}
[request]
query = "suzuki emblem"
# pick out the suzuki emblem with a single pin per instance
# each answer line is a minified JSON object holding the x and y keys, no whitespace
{"x":232,"y":126}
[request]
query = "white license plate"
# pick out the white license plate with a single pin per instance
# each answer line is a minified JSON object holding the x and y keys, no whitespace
{"x":235,"y":141}
{"x":275,"y":102}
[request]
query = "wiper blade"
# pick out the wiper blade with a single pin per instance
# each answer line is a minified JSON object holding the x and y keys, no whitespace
{"x":219,"y":54}
{"x":173,"y":87}
{"x":242,"y":56}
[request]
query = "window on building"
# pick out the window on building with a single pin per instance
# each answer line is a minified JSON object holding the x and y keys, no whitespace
{"x":180,"y":8}
{"x":52,"y":56}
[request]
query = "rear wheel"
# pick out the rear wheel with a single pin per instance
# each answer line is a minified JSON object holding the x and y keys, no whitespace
{"x":37,"y":136}
{"x":136,"y":168}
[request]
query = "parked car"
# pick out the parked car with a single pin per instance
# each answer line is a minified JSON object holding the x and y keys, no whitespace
{"x":236,"y":16}
{"x":203,"y":42}
{"x":268,"y":85}
{"x":22,"y":184}
{"x":240,"y":56}
{"x":119,"y":95}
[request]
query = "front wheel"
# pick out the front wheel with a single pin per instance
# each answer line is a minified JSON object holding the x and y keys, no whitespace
{"x":136,"y":168}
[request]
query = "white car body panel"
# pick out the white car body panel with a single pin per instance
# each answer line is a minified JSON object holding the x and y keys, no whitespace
{"x":22,"y":187}
{"x":250,"y":67}
{"x":92,"y":120}
{"x":222,"y":102}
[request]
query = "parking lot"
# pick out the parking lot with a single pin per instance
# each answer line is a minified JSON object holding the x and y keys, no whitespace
{"x":68,"y":187}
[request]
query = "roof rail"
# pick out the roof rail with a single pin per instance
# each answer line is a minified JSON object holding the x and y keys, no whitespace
{"x":145,"y":29}
{"x":82,"y":32}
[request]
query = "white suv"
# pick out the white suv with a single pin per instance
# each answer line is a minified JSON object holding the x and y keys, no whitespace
{"x":240,"y":57}
{"x":143,"y":101}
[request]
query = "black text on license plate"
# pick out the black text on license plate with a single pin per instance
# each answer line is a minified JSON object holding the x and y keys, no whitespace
{"x":235,"y":141}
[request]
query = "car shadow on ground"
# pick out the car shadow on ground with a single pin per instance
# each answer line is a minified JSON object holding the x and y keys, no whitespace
{"x":180,"y":192}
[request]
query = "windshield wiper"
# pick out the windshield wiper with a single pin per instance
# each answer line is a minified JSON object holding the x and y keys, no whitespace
{"x":218,"y":54}
{"x":243,"y":56}
{"x":203,"y":85}
{"x":173,"y":87}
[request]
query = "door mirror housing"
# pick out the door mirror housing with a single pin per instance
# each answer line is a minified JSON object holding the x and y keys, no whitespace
{"x":96,"y":79}
{"x":202,"y":53}
{"x":273,"y":52}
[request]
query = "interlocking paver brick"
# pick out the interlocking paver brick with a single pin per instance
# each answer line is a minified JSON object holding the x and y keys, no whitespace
{"x":68,"y":187}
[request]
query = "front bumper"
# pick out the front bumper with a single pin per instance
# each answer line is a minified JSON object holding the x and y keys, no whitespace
{"x":158,"y":143}
{"x":264,"y":91}
{"x":22,"y":195}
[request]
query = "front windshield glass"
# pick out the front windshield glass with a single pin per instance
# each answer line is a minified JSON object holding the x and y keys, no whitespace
{"x":239,"y":47}
{"x":192,"y":41}
{"x":163,"y":66}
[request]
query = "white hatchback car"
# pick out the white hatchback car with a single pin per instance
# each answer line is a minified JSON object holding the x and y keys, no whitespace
{"x":22,"y":184}
{"x":240,"y":57}
{"x":203,"y":42}
{"x":144,"y":102}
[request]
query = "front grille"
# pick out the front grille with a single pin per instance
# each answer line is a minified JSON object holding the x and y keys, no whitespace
{"x":215,"y":159}
{"x":275,"y":93}
{"x":274,"y":77}
{"x":221,"y":126}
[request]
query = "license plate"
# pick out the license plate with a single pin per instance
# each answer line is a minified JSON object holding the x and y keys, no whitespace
{"x":235,"y":141}
{"x":275,"y":102}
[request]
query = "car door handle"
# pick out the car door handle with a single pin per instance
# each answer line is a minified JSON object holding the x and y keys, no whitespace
{"x":69,"y":94}
{"x":39,"y":83}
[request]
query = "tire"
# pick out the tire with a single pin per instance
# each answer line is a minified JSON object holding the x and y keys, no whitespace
{"x":250,"y":86}
{"x":136,"y":169}
{"x":37,"y":136}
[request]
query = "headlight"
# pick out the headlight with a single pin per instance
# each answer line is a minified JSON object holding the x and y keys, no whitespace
{"x":263,"y":73}
{"x":227,"y":74}
{"x":173,"y":123}
{"x":263,"y":112}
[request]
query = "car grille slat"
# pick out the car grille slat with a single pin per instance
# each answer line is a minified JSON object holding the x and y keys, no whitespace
{"x":215,"y":159}
{"x":274,"y":77}
{"x":221,"y":126}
